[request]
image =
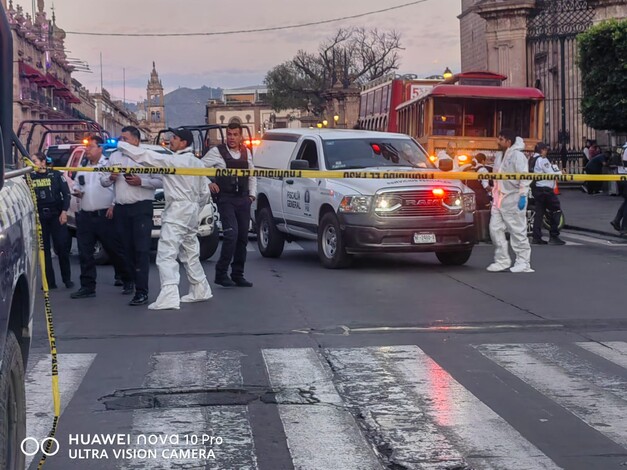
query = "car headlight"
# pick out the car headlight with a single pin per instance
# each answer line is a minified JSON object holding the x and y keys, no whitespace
{"x":355,"y":204}
{"x":387,"y":203}
{"x":469,"y":202}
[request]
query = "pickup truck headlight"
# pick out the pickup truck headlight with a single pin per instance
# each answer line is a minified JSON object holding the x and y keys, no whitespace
{"x":355,"y":204}
{"x":469,"y":202}
{"x":387,"y":203}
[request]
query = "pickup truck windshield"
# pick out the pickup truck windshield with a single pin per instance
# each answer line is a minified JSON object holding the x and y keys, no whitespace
{"x":367,"y":153}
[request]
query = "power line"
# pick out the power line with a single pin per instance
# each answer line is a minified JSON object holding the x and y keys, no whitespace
{"x":246,"y":31}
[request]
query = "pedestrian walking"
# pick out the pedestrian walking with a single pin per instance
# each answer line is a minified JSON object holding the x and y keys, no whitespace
{"x":185,"y":196}
{"x":544,"y":197}
{"x":620,"y":221}
{"x":94,"y":222}
{"x":132,"y":213}
{"x":509,"y":207}
{"x":594,"y":167}
{"x":53,"y":201}
{"x":235,"y":195}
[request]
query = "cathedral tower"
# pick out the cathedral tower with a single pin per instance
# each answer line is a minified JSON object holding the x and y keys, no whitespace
{"x":155,"y":108}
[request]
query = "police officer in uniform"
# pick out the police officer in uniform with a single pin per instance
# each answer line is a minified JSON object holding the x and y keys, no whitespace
{"x":235,"y":195}
{"x":53,"y":201}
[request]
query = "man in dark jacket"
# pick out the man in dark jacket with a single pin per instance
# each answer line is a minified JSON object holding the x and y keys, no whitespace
{"x":53,"y":201}
{"x":235,"y":195}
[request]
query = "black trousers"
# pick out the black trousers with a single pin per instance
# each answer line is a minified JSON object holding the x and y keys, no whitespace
{"x":546,"y":200}
{"x":235,"y":216}
{"x":92,"y":227}
{"x":133,"y":223}
{"x":52,"y":228}
{"x":621,"y":215}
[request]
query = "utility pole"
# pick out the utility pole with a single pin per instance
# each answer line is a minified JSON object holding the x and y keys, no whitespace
{"x":101,"y":80}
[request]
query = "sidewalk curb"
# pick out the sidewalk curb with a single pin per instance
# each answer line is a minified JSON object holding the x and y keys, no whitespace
{"x":590,"y":230}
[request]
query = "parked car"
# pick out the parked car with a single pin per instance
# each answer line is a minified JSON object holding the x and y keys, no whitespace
{"x":208,"y":231}
{"x":350,"y":216}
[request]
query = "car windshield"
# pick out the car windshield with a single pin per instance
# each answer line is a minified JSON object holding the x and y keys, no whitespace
{"x":367,"y":153}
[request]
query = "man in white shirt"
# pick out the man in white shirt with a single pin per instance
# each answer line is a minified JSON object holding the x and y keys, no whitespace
{"x":545,"y":198}
{"x":235,"y":195}
{"x":132,"y":214}
{"x":94,"y":223}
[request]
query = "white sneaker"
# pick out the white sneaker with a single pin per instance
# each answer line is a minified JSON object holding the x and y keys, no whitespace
{"x":168,"y":299}
{"x":198,"y":292}
{"x":497,"y":268}
{"x":521,"y":268}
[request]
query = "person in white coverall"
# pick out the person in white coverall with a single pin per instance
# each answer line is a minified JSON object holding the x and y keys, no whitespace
{"x":185,"y":196}
{"x":509,"y":207}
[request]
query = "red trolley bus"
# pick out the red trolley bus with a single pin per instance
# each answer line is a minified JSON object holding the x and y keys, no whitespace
{"x":469,"y":109}
{"x":380,"y":98}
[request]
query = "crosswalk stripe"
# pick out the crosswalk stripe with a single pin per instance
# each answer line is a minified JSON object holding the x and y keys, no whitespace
{"x":613,"y":351}
{"x":584,"y":238}
{"x":321,"y":434}
{"x":429,"y":419}
{"x":597,"y":398}
{"x":39,"y":410}
{"x":201,"y":371}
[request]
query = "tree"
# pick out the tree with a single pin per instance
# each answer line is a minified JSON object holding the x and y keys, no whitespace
{"x":603,"y":64}
{"x":351,"y":57}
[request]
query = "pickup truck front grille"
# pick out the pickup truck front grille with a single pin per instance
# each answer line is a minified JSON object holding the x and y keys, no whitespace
{"x":419,"y":203}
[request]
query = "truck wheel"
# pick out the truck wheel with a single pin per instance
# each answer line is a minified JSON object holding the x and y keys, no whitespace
{"x":209,"y":245}
{"x":453,"y":258}
{"x":331,"y":249}
{"x":269,"y":239}
{"x":12,"y":406}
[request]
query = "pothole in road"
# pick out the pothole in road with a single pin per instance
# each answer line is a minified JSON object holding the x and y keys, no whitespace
{"x":147,"y":398}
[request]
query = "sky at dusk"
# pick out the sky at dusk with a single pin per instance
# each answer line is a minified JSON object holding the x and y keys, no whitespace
{"x":429,"y":31}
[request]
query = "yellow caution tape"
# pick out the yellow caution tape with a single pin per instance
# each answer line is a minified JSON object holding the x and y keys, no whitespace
{"x":414,"y":175}
{"x":56,"y":398}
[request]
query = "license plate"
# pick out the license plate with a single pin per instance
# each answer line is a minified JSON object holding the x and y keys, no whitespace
{"x":156,"y":220}
{"x":422,"y":238}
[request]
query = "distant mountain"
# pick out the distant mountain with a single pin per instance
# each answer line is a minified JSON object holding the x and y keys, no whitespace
{"x":185,"y":106}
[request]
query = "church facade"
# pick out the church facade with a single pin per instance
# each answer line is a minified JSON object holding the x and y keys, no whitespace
{"x":533,"y":43}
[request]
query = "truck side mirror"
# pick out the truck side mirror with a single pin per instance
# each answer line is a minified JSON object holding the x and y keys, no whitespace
{"x":299,"y":165}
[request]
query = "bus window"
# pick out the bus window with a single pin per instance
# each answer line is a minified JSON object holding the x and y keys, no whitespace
{"x":479,"y":118}
{"x":387,"y":95}
{"x":447,"y":118}
{"x":514,"y":115}
{"x":377,"y":101}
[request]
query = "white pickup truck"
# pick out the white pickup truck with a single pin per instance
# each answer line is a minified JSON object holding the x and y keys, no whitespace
{"x":350,"y":216}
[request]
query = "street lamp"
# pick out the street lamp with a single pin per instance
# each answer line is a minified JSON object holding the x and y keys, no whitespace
{"x":325,"y":123}
{"x":447,"y":73}
{"x":319,"y":125}
{"x":336,"y":118}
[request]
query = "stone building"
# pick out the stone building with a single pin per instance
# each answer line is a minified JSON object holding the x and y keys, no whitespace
{"x":249,"y":106}
{"x":42,"y":87}
{"x":533,"y":43}
{"x":113,"y":115}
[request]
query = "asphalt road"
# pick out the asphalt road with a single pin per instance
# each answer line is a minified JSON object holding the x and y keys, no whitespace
{"x":398,"y":362}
